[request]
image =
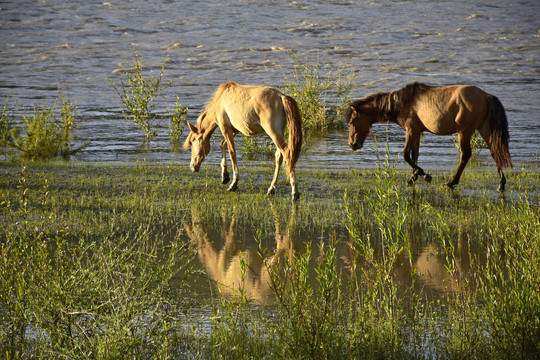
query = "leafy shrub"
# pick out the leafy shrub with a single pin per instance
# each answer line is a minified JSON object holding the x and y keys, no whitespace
{"x":46,"y":133}
{"x":312,"y":90}
{"x":6,"y":127}
{"x":178,"y":121}
{"x":138,"y":94}
{"x":477,"y":143}
{"x":255,"y":147}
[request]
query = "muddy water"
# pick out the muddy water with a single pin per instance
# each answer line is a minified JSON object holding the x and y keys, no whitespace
{"x":48,"y":44}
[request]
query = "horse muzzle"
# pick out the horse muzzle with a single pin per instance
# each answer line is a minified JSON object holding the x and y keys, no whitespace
{"x":194,"y":168}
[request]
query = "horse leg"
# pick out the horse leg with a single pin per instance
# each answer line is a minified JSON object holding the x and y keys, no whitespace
{"x":465,"y":148}
{"x":279,"y":141}
{"x":415,"y":152}
{"x":224,"y":174}
{"x":279,"y":161}
{"x":229,"y":137}
{"x":412,"y":143}
{"x":295,"y":194}
{"x":485,"y":131}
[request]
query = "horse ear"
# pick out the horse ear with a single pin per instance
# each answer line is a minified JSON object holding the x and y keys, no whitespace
{"x":351,"y":114}
{"x":187,"y":142}
{"x":192,"y":128}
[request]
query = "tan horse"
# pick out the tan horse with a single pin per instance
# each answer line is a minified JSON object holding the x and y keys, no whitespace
{"x":441,"y":110}
{"x":250,"y":110}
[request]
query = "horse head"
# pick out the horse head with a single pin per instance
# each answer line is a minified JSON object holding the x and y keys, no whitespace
{"x":200,"y":146}
{"x":359,"y":125}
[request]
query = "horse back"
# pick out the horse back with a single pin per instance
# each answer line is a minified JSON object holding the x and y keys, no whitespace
{"x":445,"y":110}
{"x":250,"y":109}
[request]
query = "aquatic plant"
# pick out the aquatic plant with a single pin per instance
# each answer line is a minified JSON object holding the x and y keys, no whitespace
{"x":477,"y":143}
{"x":258,"y":147}
{"x":64,"y":292}
{"x":139,"y":94}
{"x":44,"y":133}
{"x":339,"y":293}
{"x":177,"y":122}
{"x":7,"y":131}
{"x":320,"y":97}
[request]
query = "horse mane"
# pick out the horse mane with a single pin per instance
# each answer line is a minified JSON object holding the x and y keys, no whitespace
{"x":388,"y":105}
{"x":217,"y":95}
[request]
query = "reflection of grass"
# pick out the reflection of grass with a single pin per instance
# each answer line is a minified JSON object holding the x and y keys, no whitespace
{"x":92,"y":260}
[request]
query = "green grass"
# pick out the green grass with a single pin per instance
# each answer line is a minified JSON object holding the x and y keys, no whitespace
{"x":106,"y":261}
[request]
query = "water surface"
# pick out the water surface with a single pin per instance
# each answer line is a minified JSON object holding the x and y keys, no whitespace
{"x":49,"y":44}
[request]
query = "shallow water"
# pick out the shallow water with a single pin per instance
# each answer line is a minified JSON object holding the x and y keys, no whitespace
{"x":48,"y":44}
{"x":235,"y":263}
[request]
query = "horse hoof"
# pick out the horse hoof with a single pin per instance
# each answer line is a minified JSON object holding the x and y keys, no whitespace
{"x":410,"y":182}
{"x":296,"y":196}
{"x":451,"y":185}
{"x":428,"y":178}
{"x":225,"y":178}
{"x":271,"y":191}
{"x":501,"y":188}
{"x":233,"y":187}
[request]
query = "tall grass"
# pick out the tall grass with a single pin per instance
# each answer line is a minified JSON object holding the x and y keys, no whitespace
{"x":64,"y":293}
{"x":80,"y":279}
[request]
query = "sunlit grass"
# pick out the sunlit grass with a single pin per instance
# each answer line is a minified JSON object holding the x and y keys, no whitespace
{"x":94,"y":263}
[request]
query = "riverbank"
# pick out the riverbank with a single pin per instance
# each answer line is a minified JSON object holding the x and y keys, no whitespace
{"x":108,"y":259}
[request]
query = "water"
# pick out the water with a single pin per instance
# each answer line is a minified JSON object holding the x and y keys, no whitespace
{"x":49,"y":44}
{"x":233,"y":261}
{"x":46,"y":45}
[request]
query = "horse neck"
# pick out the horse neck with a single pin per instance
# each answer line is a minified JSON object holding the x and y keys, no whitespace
{"x":208,"y":125}
{"x":388,"y":107}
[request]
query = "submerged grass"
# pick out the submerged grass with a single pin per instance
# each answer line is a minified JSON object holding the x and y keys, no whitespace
{"x":97,"y":261}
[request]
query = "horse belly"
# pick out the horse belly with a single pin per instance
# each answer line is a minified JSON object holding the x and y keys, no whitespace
{"x":436,"y":120}
{"x":250,"y":127}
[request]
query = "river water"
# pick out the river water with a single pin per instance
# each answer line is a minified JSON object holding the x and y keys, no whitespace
{"x":49,"y":44}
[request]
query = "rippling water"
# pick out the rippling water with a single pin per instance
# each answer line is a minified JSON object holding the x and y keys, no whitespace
{"x":48,"y":44}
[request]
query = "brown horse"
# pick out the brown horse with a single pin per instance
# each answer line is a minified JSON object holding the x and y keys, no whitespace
{"x":251,"y":110}
{"x":441,"y":110}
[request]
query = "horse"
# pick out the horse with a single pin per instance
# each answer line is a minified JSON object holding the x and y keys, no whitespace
{"x":441,"y":110}
{"x":250,"y":110}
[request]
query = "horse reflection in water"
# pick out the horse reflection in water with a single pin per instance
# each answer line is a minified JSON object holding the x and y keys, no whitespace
{"x":432,"y":271}
{"x":242,"y":271}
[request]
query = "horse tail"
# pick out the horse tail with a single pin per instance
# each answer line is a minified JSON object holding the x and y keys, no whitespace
{"x":499,"y":137}
{"x":294,"y":122}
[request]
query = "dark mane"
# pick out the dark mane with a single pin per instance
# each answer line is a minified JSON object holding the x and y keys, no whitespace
{"x":388,"y":105}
